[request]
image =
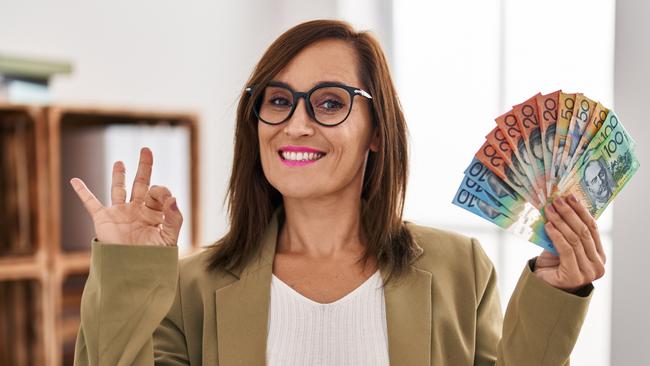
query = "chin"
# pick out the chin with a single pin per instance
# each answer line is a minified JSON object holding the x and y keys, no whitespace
{"x":297,"y":192}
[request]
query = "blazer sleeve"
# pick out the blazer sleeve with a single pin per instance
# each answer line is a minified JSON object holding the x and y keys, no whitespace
{"x":541,"y":323}
{"x":131,"y":292}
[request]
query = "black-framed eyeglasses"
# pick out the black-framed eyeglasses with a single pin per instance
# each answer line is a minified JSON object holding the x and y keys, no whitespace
{"x":329,"y":103}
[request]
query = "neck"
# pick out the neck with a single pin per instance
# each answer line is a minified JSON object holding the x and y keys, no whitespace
{"x":325,"y":228}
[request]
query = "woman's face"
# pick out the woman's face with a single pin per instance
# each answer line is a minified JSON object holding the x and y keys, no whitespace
{"x":345,"y":146}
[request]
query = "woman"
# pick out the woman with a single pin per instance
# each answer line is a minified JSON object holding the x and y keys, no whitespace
{"x":315,"y":202}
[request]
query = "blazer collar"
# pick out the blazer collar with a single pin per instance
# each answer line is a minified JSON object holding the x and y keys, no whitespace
{"x":242,"y":310}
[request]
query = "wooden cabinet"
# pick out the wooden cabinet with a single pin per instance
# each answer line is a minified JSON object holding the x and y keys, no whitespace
{"x":45,"y":233}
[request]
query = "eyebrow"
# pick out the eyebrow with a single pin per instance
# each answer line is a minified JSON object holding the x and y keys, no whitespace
{"x":322,"y":82}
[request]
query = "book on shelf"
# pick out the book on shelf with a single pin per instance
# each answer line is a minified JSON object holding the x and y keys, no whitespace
{"x":27,"y":79}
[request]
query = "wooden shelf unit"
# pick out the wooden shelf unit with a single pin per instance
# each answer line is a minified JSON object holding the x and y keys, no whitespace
{"x":46,"y":278}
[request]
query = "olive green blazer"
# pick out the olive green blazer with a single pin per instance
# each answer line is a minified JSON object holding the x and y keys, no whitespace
{"x":142,"y":306}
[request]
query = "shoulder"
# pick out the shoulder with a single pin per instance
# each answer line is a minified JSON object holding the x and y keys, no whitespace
{"x":193,"y":270}
{"x":448,"y":251}
{"x":440,"y":244}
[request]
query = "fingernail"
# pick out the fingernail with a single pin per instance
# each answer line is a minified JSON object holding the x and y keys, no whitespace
{"x":572,"y":198}
{"x":558,"y":201}
{"x":174,"y":207}
{"x":550,"y":208}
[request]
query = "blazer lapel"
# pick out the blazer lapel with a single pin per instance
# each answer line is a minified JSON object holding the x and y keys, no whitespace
{"x":242,"y":310}
{"x":408,"y":318}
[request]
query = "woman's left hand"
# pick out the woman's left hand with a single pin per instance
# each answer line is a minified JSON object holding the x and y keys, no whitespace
{"x":575,"y":236}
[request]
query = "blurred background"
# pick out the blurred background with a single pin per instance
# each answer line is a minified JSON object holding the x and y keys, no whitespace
{"x":101,"y":79}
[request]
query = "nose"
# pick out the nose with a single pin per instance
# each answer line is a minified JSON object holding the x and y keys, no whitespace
{"x":300,"y":123}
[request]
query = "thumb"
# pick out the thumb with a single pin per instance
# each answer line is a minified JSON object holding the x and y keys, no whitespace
{"x":172,"y":222}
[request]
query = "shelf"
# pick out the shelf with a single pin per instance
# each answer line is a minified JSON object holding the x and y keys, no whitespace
{"x":71,"y":290}
{"x":74,"y":263}
{"x":45,"y":232}
{"x":22,"y":221}
{"x":14,"y":268}
{"x":19,"y":323}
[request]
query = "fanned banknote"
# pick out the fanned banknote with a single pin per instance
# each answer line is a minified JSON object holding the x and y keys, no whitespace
{"x":584,"y":108}
{"x":509,"y":126}
{"x":527,"y":117}
{"x":547,"y":110}
{"x":566,"y":103}
{"x":547,"y":146}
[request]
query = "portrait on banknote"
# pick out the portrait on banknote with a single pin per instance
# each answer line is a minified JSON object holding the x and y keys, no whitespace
{"x":598,"y":183}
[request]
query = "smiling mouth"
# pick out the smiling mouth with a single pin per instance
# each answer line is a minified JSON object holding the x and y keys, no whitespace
{"x":303,"y":156}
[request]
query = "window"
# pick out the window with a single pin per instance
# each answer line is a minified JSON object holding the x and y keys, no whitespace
{"x":457,"y":66}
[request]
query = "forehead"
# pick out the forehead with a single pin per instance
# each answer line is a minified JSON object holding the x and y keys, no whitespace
{"x":325,"y":60}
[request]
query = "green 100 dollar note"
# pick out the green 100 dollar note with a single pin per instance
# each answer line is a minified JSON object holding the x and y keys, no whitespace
{"x":604,"y":172}
{"x":610,"y":127}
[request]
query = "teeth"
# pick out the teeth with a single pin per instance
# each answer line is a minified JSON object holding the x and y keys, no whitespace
{"x":298,"y":156}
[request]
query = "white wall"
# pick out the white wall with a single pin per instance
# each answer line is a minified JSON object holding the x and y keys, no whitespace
{"x":631,"y":300}
{"x":189,"y":55}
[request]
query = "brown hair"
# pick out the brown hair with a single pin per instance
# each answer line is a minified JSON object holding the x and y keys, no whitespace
{"x":252,"y":199}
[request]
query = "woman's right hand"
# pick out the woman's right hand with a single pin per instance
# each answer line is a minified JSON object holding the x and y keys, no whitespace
{"x":151,"y":217}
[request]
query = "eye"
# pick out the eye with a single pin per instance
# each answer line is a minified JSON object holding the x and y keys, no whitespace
{"x":331,"y":105}
{"x":279,"y":101}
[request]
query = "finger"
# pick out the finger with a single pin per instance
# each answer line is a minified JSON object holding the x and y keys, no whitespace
{"x":88,"y":199}
{"x":118,"y":186}
{"x":151,"y":217}
{"x":564,"y":249}
{"x":578,"y":227}
{"x":567,"y":256}
{"x":547,"y":259}
{"x":143,"y":176}
{"x":588,"y":220}
{"x":152,"y":211}
{"x":584,"y":264}
{"x":156,"y":196}
{"x":172,"y":223}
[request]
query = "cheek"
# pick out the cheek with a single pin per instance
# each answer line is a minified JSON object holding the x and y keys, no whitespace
{"x":349,"y":145}
{"x":265,"y":135}
{"x":350,"y":154}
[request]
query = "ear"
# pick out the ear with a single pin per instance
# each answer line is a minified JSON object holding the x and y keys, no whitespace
{"x":374,"y":142}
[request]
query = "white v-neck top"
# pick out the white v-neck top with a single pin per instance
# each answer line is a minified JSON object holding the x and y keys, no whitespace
{"x":348,"y":331}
